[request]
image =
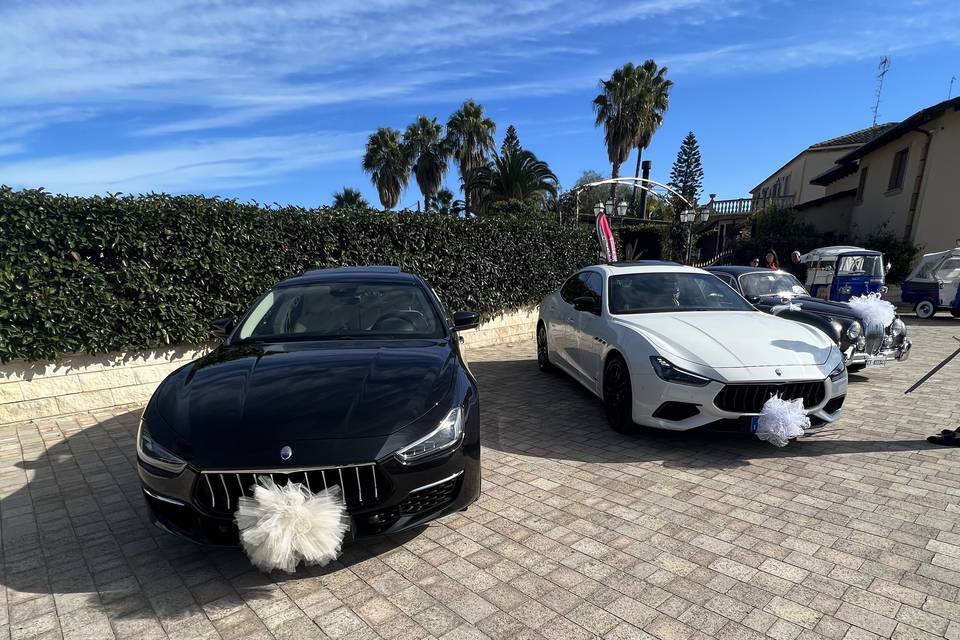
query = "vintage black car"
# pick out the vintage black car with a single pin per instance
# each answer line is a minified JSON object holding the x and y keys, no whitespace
{"x":350,"y":377}
{"x":772,"y":291}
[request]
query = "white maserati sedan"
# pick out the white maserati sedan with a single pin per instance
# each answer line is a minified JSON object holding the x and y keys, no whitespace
{"x":673,"y":347}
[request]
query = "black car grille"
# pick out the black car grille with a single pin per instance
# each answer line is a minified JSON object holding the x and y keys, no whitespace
{"x":430,"y":498}
{"x":749,"y":398}
{"x":360,"y":485}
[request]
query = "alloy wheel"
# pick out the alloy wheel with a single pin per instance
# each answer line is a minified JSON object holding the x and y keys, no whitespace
{"x":543,"y":356}
{"x":618,"y":396}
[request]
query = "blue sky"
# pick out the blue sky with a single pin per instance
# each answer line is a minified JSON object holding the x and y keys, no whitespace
{"x":273,"y":100}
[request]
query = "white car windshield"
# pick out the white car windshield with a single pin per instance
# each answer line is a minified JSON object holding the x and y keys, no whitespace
{"x":331,"y":311}
{"x":869,"y":265}
{"x":660,"y":292}
{"x":773,"y":283}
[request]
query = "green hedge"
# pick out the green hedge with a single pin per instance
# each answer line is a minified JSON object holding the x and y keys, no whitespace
{"x":99,"y":274}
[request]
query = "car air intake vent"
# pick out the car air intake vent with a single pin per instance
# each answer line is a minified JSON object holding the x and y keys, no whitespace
{"x":430,"y":498}
{"x":361,"y":485}
{"x":676,"y":411}
{"x":749,"y":398}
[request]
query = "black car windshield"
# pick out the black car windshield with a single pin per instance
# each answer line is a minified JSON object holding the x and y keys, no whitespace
{"x":771,"y":283}
{"x":659,"y":292}
{"x":331,"y":311}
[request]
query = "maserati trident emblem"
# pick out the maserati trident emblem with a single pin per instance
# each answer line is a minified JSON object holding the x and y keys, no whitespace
{"x":286,"y":453}
{"x":777,"y":371}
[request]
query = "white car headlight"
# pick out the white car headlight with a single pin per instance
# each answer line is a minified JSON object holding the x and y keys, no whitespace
{"x":446,"y":436}
{"x":155,"y":455}
{"x":855,"y":330}
{"x":839,"y":372}
{"x":897,"y":328}
{"x":669,"y":372}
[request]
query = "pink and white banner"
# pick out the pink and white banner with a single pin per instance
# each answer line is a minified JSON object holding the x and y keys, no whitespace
{"x":608,"y":248}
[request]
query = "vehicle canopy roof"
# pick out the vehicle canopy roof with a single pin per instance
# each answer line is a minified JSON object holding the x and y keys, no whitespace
{"x":828,"y":253}
{"x":927,"y":267}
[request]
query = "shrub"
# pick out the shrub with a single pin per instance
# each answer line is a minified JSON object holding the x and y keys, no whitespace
{"x":898,"y":252}
{"x":99,"y":274}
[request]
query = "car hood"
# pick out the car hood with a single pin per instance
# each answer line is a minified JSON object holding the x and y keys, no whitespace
{"x":816,"y":305}
{"x":725,"y":339}
{"x":241,"y":397}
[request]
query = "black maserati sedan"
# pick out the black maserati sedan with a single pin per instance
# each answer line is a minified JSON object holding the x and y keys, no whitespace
{"x":350,"y":377}
{"x":861,"y":346}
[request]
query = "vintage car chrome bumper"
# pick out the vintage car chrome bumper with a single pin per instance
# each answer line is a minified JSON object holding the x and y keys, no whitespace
{"x":898,"y":353}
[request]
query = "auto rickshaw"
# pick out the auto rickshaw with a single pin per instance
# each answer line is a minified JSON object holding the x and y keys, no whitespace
{"x":934,"y":284}
{"x":840,"y":273}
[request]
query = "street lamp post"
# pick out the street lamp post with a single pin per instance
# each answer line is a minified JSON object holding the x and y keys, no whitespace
{"x":689,"y":217}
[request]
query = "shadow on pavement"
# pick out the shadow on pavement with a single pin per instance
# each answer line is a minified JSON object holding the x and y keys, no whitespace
{"x":530,"y":413}
{"x":76,"y":527}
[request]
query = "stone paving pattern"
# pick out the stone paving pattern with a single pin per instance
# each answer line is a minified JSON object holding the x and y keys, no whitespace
{"x":853,"y":532}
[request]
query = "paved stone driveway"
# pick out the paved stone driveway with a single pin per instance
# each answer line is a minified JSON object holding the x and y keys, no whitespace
{"x":853,"y":532}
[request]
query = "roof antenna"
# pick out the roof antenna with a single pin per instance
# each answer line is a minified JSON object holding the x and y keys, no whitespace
{"x":884,"y":67}
{"x":950,"y":91}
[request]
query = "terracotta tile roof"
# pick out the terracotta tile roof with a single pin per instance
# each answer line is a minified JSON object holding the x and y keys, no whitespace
{"x":862,"y":136}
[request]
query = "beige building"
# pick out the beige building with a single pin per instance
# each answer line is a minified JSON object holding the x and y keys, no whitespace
{"x":791,"y":182}
{"x":905,"y":180}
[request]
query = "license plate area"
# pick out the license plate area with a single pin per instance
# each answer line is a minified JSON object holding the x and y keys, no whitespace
{"x":876,"y":361}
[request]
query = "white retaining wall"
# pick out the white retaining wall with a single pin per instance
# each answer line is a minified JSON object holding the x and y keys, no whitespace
{"x":80,"y":383}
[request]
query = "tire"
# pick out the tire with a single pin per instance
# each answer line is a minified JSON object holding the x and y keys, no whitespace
{"x":618,"y":395}
{"x":925,"y":309}
{"x":543,"y":355}
{"x":853,"y":368}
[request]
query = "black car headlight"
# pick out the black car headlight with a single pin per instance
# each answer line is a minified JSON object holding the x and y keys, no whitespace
{"x":447,"y":435}
{"x":839,"y":372}
{"x":155,"y":455}
{"x":669,"y":372}
{"x":897,"y":328}
{"x":854,"y":330}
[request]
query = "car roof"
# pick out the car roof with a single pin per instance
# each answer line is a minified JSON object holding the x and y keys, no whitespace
{"x":739,"y":270}
{"x":829,"y":252}
{"x":645,"y":266}
{"x":345,"y":274}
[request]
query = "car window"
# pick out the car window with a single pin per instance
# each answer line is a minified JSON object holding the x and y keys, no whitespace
{"x":343,"y":310}
{"x":771,"y":283}
{"x":585,"y":283}
{"x":950,"y":270}
{"x":659,"y":292}
{"x":727,"y":279}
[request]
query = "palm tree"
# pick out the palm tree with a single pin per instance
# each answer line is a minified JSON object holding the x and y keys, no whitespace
{"x":470,"y":135}
{"x":513,"y":175}
{"x":348,"y":198}
{"x":654,"y":98}
{"x":387,"y":160}
{"x":444,"y":204}
{"x":429,"y":153}
{"x":615,"y":107}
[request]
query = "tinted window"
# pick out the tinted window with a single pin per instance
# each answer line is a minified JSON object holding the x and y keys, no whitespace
{"x":950,"y":270}
{"x":658,"y":292}
{"x":343,"y":310}
{"x":727,"y":279}
{"x":585,"y":283}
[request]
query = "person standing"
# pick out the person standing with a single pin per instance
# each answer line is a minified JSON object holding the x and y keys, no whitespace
{"x":770,"y":260}
{"x":755,"y":262}
{"x":798,"y":268}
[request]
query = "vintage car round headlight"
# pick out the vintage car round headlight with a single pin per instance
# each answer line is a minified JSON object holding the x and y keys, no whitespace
{"x":854,"y":330}
{"x":897,"y":328}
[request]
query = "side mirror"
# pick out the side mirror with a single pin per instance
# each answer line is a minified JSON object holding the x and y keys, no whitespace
{"x":221,"y":327}
{"x":465,"y":320}
{"x":753,"y":299}
{"x":586,"y":303}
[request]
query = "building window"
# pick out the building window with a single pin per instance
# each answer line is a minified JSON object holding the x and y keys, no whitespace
{"x":862,"y":185}
{"x":898,"y":170}
{"x":786,"y":185}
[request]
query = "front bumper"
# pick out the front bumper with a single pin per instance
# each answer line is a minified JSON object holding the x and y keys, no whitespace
{"x":417,"y":494}
{"x":651,"y":395}
{"x":898,"y":353}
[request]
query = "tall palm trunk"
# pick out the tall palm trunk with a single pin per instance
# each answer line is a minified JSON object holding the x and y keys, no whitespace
{"x":613,"y":186}
{"x":426,"y":202}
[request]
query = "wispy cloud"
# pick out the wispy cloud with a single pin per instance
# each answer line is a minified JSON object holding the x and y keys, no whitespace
{"x":229,"y":162}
